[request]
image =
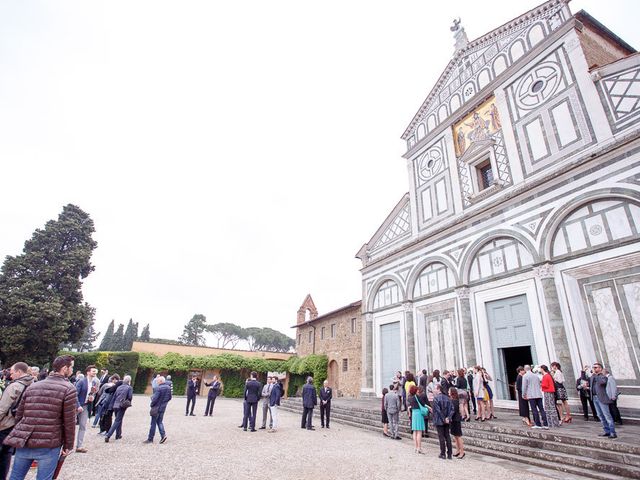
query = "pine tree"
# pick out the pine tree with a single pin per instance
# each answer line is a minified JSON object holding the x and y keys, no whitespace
{"x":107,"y":340}
{"x":194,"y":330}
{"x":41,"y":302}
{"x":145,"y":336}
{"x":117,"y":344}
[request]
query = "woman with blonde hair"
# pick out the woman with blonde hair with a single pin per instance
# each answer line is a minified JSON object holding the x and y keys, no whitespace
{"x":480,"y":393}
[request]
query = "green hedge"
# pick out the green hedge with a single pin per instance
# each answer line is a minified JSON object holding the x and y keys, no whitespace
{"x":233,"y":382}
{"x":122,"y":363}
{"x":234,"y":368}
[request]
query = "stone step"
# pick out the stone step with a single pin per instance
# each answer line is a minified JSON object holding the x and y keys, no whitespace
{"x":573,"y":455}
{"x":577,"y":472}
{"x":524,"y":438}
{"x":555,"y":436}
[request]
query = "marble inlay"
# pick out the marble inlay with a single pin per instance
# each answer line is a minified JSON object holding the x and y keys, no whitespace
{"x":632,"y":295}
{"x":613,"y":335}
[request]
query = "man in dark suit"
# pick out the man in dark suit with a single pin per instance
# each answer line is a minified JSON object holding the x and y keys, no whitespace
{"x":326,"y":394}
{"x":192,"y":390}
{"x":211,"y":397}
{"x":309,"y":400}
{"x":252,"y":390}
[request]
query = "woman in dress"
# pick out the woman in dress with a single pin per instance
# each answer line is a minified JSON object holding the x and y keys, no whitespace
{"x":461,"y":385}
{"x":418,"y":400}
{"x":479,"y":392}
{"x":561,"y":393}
{"x":523,"y":405}
{"x":456,"y":422}
{"x":487,"y":386}
{"x":549,"y":400}
{"x":385,"y":418}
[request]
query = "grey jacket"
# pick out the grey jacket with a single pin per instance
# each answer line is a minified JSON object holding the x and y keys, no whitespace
{"x":531,"y":386}
{"x":598,"y":385}
{"x":392,"y":403}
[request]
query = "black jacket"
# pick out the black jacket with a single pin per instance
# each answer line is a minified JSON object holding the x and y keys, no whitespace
{"x":252,"y":391}
{"x":309,"y":397}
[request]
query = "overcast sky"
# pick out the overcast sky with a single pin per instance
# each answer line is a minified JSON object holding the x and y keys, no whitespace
{"x":234,"y":156}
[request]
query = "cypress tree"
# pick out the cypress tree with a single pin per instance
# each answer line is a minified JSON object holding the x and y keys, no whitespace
{"x":145,"y":336}
{"x":107,"y":340}
{"x":117,"y":345}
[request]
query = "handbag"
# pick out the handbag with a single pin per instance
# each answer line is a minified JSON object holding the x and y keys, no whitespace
{"x":423,"y":408}
{"x":154,"y":411}
{"x":125,"y":403}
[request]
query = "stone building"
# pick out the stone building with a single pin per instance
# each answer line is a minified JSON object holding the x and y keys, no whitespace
{"x":338,"y":335}
{"x":518,"y":241}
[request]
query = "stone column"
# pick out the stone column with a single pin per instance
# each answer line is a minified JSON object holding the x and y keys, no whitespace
{"x":544,"y":275}
{"x":470,"y":359}
{"x":367,"y":357}
{"x":409,"y":336}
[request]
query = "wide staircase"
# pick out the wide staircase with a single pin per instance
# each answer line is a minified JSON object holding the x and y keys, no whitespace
{"x":574,"y":449}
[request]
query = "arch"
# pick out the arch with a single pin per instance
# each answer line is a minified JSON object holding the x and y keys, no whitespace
{"x":484,"y":77}
{"x":555,"y":219}
{"x":333,"y":375}
{"x":417,"y":270}
{"x":376,"y":287}
{"x":422,"y":131}
{"x":476,"y":246}
{"x":455,"y":102}
{"x":431,"y":122}
{"x":517,"y":50}
{"x":536,"y":34}
{"x":500,"y":64}
{"x":443,"y":112}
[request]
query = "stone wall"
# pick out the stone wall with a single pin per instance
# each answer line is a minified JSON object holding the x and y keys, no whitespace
{"x":344,"y":345}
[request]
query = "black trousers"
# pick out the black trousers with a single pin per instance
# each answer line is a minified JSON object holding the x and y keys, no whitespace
{"x":615,"y":413}
{"x":307,"y":416}
{"x":5,"y":454}
{"x":444,"y":437}
{"x":250,"y":412}
{"x":192,"y":401}
{"x":585,"y":410}
{"x":325,"y":410}
{"x":210,"y":403}
{"x":472,"y":397}
{"x":105,"y":420}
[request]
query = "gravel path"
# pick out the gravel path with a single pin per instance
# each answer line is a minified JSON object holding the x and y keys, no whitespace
{"x":213,"y":447}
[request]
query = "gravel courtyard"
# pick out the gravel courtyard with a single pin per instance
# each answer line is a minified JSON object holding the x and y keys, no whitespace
{"x":214,"y":447}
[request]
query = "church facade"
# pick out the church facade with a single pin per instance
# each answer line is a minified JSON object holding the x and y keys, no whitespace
{"x":519,"y":239}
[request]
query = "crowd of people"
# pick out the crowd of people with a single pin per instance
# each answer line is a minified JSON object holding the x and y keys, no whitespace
{"x":447,"y":400}
{"x":40,"y":411}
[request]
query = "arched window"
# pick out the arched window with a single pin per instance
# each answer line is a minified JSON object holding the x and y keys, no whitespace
{"x":499,"y":256}
{"x":434,"y":278}
{"x":387,"y":294}
{"x":597,"y":223}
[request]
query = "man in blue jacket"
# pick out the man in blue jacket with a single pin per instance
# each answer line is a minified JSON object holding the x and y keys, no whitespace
{"x":159,"y":401}
{"x":309,"y":400}
{"x":274,"y":403}
{"x":443,"y":411}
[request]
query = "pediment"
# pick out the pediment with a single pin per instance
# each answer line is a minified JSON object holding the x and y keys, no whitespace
{"x":480,"y":62}
{"x":396,"y":226}
{"x":477,"y":148}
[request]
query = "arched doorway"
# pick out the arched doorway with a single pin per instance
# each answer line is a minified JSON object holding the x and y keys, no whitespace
{"x":333,"y":375}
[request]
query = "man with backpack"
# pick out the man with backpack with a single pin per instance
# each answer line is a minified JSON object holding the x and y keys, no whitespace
{"x":11,"y":398}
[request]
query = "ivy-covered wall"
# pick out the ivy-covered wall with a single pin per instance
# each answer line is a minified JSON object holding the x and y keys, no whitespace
{"x":234,"y":369}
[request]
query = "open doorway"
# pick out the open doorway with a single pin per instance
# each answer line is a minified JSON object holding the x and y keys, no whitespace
{"x":513,"y":358}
